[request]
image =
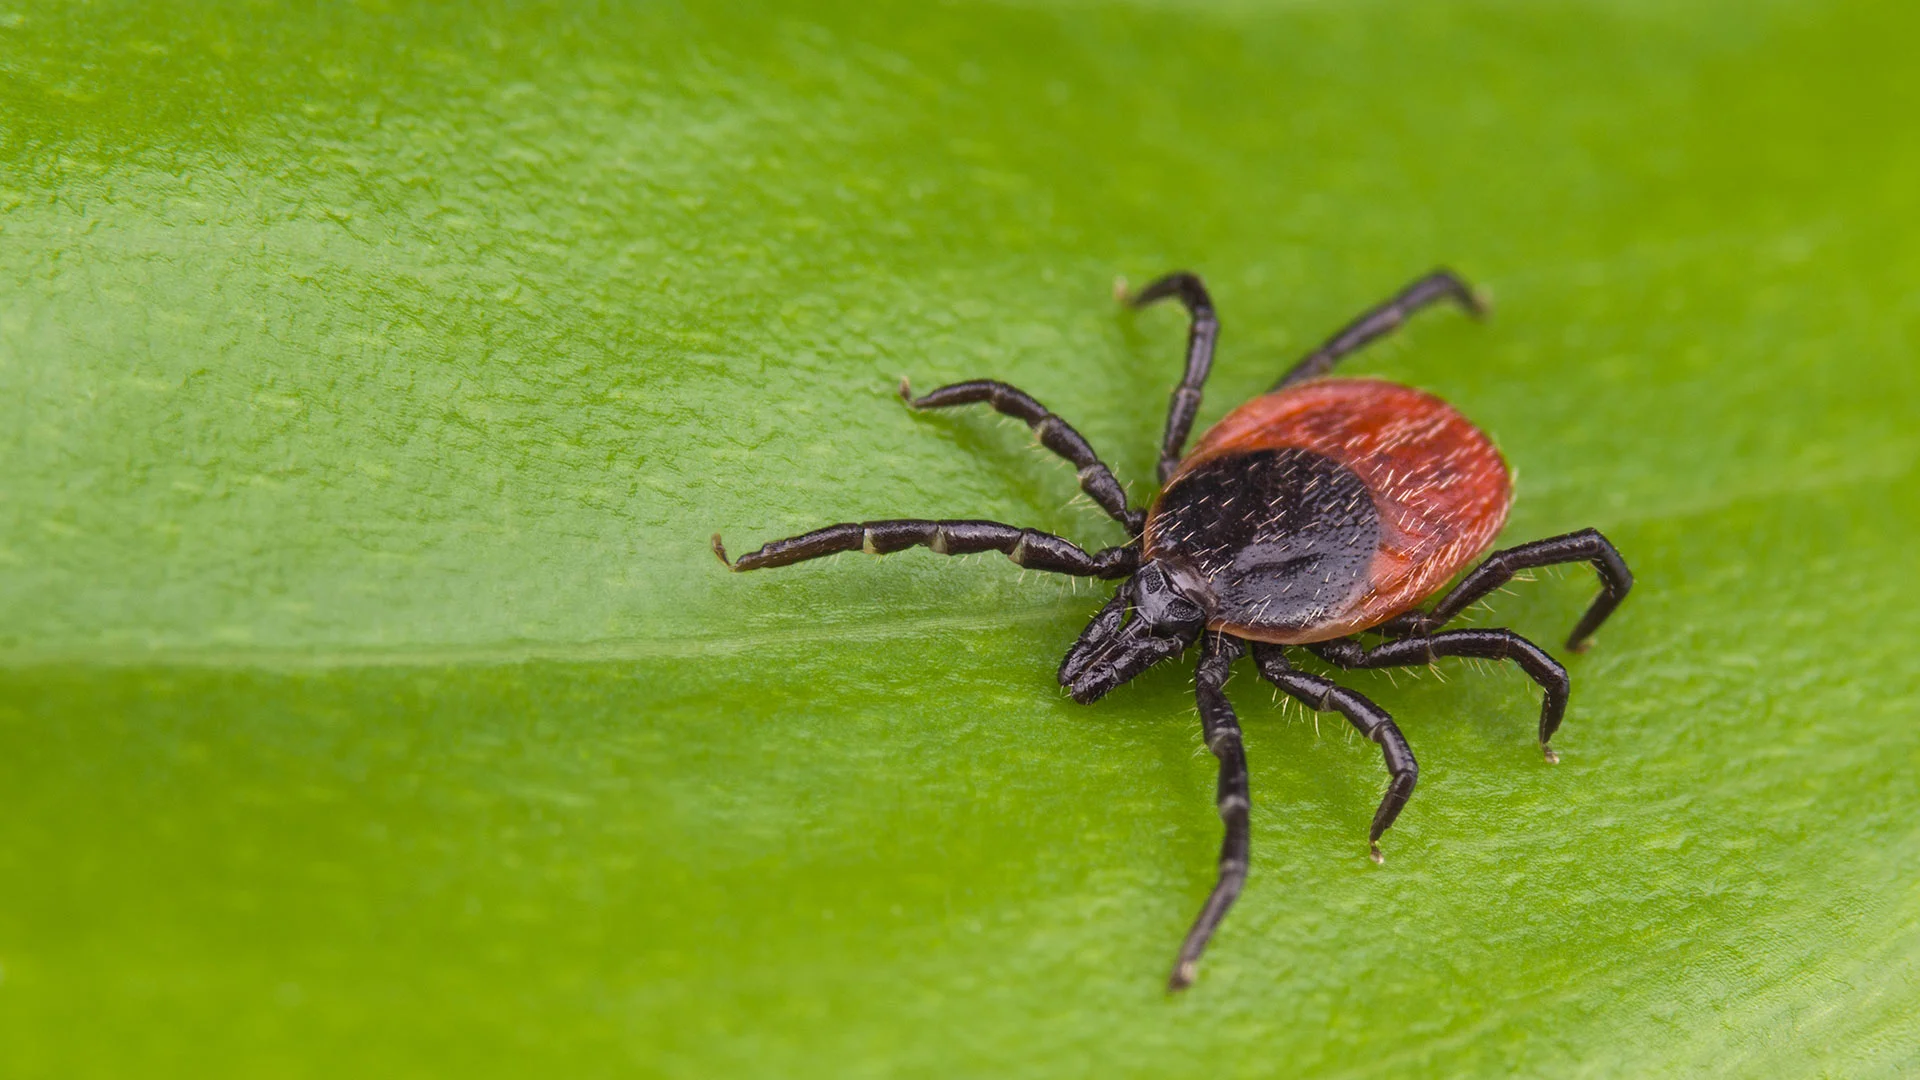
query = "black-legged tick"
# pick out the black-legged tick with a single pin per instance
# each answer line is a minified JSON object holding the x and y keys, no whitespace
{"x":1319,"y":510}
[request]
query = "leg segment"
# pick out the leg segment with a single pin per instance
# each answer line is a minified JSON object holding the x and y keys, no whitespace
{"x":1055,"y":434}
{"x":1323,"y":695}
{"x":1201,"y":334}
{"x":1382,"y":320}
{"x":1482,"y":644}
{"x":1026,"y":547}
{"x":1587,"y":545}
{"x":1222,"y":732}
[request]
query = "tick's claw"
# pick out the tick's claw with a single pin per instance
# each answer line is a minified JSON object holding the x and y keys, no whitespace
{"x":720,"y":552}
{"x":1120,"y":295}
{"x":1548,"y":751}
{"x":1375,"y":855}
{"x":1182,"y":977}
{"x":906,"y":391}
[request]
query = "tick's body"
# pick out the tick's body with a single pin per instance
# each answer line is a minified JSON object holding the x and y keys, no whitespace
{"x":1329,"y":507}
{"x":1325,"y":508}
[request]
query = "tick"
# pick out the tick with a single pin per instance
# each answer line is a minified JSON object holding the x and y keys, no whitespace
{"x":1324,"y":509}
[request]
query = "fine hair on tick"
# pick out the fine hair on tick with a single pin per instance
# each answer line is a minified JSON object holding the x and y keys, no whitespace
{"x":1321,"y":511}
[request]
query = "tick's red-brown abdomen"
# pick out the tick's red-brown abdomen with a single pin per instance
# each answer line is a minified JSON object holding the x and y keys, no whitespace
{"x":1438,"y":484}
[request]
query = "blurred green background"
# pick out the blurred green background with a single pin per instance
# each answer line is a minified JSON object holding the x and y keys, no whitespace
{"x":371,"y":377}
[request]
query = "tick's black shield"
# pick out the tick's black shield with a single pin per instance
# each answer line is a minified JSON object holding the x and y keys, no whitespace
{"x":1281,"y":538}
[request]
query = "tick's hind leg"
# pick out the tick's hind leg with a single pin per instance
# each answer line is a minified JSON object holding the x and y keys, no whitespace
{"x":1054,"y":433}
{"x":1379,"y":321}
{"x":1202,"y":332}
{"x":1030,"y":548}
{"x":1587,"y":545}
{"x":1480,"y":644}
{"x":1323,"y":695}
{"x":1221,"y":729}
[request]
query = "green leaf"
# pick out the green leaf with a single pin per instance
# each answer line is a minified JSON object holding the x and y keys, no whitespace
{"x":371,"y":378}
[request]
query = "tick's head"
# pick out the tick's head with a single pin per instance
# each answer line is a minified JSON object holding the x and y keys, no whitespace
{"x":1155,"y":614}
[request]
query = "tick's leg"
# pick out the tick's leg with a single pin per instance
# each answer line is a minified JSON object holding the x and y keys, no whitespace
{"x":1587,"y":545}
{"x":1382,"y":320}
{"x":1221,"y":729}
{"x":1055,"y":434}
{"x":1201,"y":334}
{"x":1027,"y":547}
{"x":1324,"y":695}
{"x":1481,"y":644}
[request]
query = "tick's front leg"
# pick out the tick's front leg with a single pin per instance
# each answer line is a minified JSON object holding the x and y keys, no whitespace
{"x":1222,"y":731}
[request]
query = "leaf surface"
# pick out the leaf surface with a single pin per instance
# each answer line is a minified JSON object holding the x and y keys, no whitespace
{"x":372,"y":377}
